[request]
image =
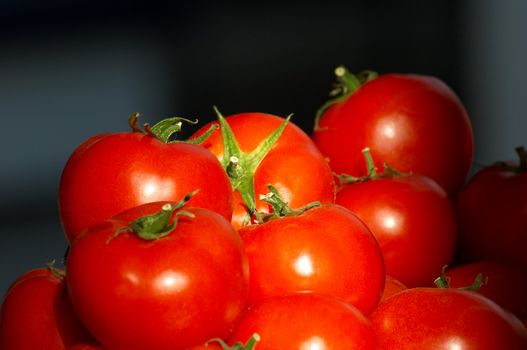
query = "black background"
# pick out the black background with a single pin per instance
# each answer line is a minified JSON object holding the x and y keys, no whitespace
{"x":69,"y":70}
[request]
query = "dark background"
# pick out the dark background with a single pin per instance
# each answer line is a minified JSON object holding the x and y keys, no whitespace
{"x":69,"y":70}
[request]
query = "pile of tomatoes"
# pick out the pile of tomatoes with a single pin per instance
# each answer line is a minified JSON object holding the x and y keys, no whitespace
{"x":252,"y":234}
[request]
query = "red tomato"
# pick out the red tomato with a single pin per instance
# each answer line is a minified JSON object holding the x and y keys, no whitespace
{"x":392,"y":287}
{"x":505,"y":285}
{"x":412,"y":219}
{"x":306,"y":321}
{"x":110,"y":173}
{"x":217,"y":344}
{"x":294,"y":165}
{"x":415,"y":123}
{"x":492,"y":215}
{"x":431,"y":318}
{"x":167,"y":293}
{"x":37,"y":314}
{"x":86,"y":346}
{"x":325,"y":249}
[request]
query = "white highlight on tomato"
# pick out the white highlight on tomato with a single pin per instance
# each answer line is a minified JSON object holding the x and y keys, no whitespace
{"x":314,"y":343}
{"x":303,"y":265}
{"x":171,"y":282}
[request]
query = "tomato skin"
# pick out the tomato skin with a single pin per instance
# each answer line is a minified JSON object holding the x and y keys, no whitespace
{"x":110,"y":173}
{"x":86,"y":346}
{"x":415,"y":123}
{"x":431,"y":318}
{"x":412,"y":219}
{"x":492,"y":217}
{"x":37,"y":314}
{"x":506,"y":285}
{"x":293,"y":154}
{"x":326,"y":249}
{"x":306,"y":321}
{"x":392,"y":286}
{"x":170,"y":293}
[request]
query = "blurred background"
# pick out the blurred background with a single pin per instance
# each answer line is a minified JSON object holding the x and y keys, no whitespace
{"x":70,"y":70}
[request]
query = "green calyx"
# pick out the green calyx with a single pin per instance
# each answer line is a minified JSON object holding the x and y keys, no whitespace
{"x":280,"y":207}
{"x":250,"y":345}
{"x":56,"y":272}
{"x":241,"y":166}
{"x":167,"y":128}
{"x":444,"y":281}
{"x":388,"y":171}
{"x":346,"y":84}
{"x":160,"y":224}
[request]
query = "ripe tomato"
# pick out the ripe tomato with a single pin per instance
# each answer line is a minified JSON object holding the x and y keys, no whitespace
{"x":37,"y":314}
{"x":431,"y":318}
{"x":306,"y":321}
{"x":415,"y":123}
{"x":86,"y":346}
{"x":326,"y":249}
{"x":492,"y":215}
{"x":110,"y":173}
{"x":412,"y":219}
{"x":293,"y":165}
{"x":505,"y":285}
{"x":178,"y":289}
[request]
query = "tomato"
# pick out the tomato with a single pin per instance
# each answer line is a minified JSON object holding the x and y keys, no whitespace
{"x":218,"y":344}
{"x":159,"y":284}
{"x":110,"y":173}
{"x":86,"y":346}
{"x":412,"y":219}
{"x":306,"y":321}
{"x":392,"y":286}
{"x":431,"y":318}
{"x":294,"y":165}
{"x":492,"y":215}
{"x":413,"y":122}
{"x":325,"y":249}
{"x":504,"y":284}
{"x":37,"y":314}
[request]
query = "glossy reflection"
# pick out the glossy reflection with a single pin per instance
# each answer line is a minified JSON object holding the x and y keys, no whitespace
{"x":303,"y":265}
{"x":314,"y":343}
{"x":389,"y":220}
{"x":171,"y":282}
{"x":152,"y":188}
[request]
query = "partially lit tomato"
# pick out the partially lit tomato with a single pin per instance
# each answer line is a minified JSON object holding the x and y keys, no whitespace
{"x":415,"y":123}
{"x":37,"y":314}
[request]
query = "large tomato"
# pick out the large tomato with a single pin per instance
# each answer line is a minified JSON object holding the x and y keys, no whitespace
{"x":325,"y":249}
{"x":306,"y":321}
{"x":415,"y":123}
{"x":168,"y":280}
{"x":291,"y":162}
{"x":412,"y":219}
{"x":492,"y":214}
{"x":37,"y":314}
{"x":110,"y":173}
{"x":431,"y":318}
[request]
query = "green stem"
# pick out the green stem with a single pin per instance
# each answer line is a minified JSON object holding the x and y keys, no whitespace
{"x":370,"y":164}
{"x":522,"y":155}
{"x":347,"y":83}
{"x":444,"y":281}
{"x":280,"y":207}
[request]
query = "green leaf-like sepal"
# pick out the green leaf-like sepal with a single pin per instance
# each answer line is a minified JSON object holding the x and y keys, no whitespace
{"x":250,"y":345}
{"x":444,"y":281}
{"x":160,"y":224}
{"x":240,"y":166}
